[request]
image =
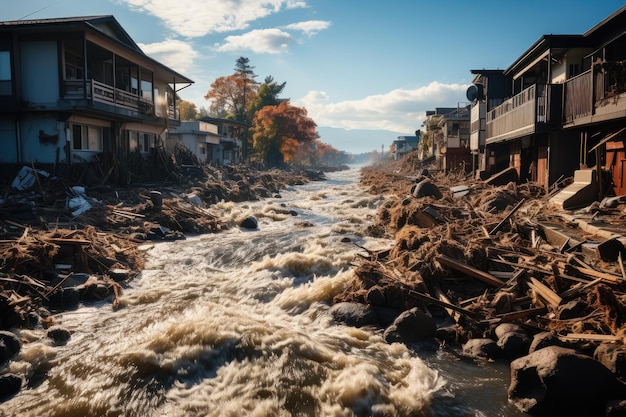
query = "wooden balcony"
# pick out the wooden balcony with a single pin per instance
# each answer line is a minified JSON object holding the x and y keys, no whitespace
{"x":594,"y":96}
{"x":95,"y":91}
{"x":533,"y":110}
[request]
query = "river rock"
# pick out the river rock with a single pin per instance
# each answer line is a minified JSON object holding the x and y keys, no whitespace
{"x":10,"y":346}
{"x":65,"y":298}
{"x":481,"y":348}
{"x":544,"y":339}
{"x":505,"y":328}
{"x":249,"y":222}
{"x":426,"y":188}
{"x":59,"y":335}
{"x":448,"y":334}
{"x":354,"y":314}
{"x":386,"y":315}
{"x":572,"y":310}
{"x":411,"y":326}
{"x":375,"y":296}
{"x":613,"y":357}
{"x":10,"y":384}
{"x":513,"y":340}
{"x":558,"y":381}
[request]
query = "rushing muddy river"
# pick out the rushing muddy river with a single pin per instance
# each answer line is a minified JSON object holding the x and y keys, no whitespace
{"x":236,"y":324}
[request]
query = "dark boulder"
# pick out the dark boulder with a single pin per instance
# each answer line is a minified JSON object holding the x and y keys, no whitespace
{"x":10,"y":346}
{"x":558,"y":381}
{"x":481,"y":348}
{"x":513,"y":340}
{"x":411,"y":326}
{"x":10,"y":384}
{"x":545,"y":339}
{"x":572,"y":310}
{"x":354,"y":314}
{"x":426,"y":188}
{"x":59,"y":335}
{"x":249,"y":222}
{"x":448,"y":334}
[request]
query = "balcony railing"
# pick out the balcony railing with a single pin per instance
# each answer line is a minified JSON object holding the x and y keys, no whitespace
{"x":578,"y":97}
{"x":524,"y":113}
{"x":591,"y":92}
{"x":104,"y":93}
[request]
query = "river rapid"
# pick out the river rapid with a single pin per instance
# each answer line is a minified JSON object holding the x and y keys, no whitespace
{"x":237,"y":324}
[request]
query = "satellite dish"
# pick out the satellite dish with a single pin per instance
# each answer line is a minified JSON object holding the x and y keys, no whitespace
{"x":475,"y":92}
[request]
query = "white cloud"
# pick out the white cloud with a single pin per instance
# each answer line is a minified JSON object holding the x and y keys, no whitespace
{"x":196,"y":18}
{"x":268,"y":41}
{"x":310,"y":27}
{"x":175,"y":54}
{"x":398,"y":110}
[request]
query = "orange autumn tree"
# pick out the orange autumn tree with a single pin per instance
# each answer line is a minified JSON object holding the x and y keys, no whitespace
{"x":317,"y":153}
{"x":230,"y":96}
{"x":280,"y":131}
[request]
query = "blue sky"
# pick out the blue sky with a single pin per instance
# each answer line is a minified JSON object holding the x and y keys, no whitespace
{"x":365,"y":70}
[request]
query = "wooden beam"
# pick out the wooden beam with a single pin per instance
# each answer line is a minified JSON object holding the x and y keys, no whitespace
{"x":544,"y":292}
{"x":515,"y":315}
{"x":456,"y":316}
{"x":507,"y":217}
{"x":471,"y":271}
{"x":591,"y":337}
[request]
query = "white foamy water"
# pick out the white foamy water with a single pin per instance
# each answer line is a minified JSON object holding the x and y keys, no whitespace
{"x":236,"y":324}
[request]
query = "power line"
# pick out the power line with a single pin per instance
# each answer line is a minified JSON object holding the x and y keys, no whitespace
{"x":43,"y":8}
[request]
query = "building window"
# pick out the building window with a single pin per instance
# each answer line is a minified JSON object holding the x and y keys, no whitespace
{"x":142,"y":142}
{"x":6,"y":88}
{"x":87,"y":138}
{"x":73,"y":66}
{"x":149,"y":139}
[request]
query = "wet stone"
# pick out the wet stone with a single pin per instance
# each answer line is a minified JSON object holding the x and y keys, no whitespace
{"x":249,"y":222}
{"x":10,"y":346}
{"x":10,"y":384}
{"x":481,"y":348}
{"x":354,"y":314}
{"x":59,"y":335}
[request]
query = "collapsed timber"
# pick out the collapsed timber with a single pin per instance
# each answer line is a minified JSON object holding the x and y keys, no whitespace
{"x":62,"y":244}
{"x":494,"y":270}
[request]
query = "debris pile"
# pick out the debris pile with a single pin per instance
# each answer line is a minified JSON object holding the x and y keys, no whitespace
{"x":480,"y":258}
{"x":63,"y":243}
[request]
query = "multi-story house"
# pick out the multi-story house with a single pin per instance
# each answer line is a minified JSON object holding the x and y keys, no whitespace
{"x":454,"y":145}
{"x":563,"y":113}
{"x":594,"y":109}
{"x":74,"y":88}
{"x":403,"y":145}
{"x":488,"y":90}
{"x":212,"y":140}
{"x":448,"y":130}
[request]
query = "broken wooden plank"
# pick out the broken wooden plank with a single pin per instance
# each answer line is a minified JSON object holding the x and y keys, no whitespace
{"x":428,"y":299}
{"x":507,"y":217}
{"x":591,"y":337}
{"x":67,"y":241}
{"x":469,"y":270}
{"x":620,"y":261}
{"x":456,"y":316}
{"x":545,"y":292}
{"x":592,"y":274}
{"x":516,"y":315}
